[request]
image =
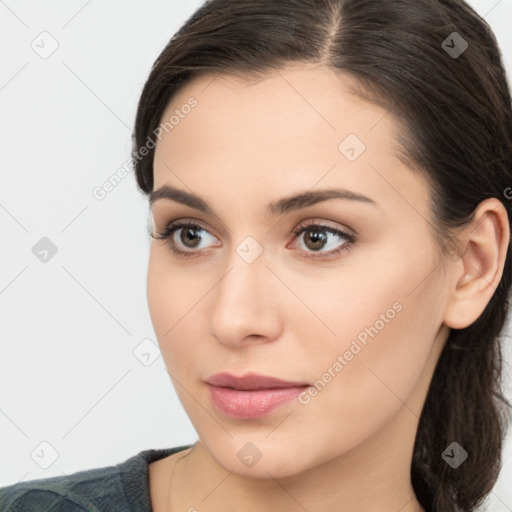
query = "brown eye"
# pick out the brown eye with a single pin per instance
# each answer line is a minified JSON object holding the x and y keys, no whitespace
{"x":317,"y":237}
{"x":190,"y":237}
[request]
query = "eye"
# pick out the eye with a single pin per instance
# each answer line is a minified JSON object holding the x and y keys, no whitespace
{"x":189,"y":234}
{"x":317,"y":238}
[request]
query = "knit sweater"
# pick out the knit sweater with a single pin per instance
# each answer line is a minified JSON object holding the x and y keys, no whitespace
{"x":123,"y":487}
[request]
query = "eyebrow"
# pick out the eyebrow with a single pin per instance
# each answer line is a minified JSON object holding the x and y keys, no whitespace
{"x":278,"y":207}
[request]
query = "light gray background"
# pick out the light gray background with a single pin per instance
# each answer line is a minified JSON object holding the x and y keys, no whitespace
{"x":69,"y":377}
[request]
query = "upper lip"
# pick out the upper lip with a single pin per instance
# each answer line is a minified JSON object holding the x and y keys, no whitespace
{"x":250,"y":381}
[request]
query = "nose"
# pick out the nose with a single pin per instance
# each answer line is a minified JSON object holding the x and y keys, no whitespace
{"x":244,"y":304}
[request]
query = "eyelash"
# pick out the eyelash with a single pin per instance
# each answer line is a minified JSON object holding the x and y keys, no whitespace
{"x":171,"y":228}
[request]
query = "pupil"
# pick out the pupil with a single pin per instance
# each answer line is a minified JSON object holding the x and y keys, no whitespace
{"x":318,"y":239}
{"x":194,"y":238}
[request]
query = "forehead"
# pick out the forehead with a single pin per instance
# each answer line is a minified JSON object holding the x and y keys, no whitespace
{"x":316,"y":96}
{"x":289,"y":129}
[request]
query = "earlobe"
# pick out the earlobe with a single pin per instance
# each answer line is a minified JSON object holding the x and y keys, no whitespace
{"x":485,"y":242}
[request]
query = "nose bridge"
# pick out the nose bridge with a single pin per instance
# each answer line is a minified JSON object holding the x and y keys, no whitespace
{"x":243,"y":302}
{"x":244,"y":281}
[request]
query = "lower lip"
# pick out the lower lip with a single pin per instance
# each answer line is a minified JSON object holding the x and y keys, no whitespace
{"x":251,"y":404}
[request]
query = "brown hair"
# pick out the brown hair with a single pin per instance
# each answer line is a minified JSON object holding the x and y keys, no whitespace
{"x":455,"y":119}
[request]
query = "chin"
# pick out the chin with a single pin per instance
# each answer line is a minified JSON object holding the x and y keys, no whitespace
{"x":260,"y":458}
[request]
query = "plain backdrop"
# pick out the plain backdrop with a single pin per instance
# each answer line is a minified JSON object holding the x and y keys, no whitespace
{"x":78,"y":388}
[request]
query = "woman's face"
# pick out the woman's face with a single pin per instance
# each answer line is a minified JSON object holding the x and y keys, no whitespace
{"x":365,"y":324}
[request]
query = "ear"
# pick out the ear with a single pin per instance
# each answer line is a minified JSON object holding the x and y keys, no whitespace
{"x":478,"y":271}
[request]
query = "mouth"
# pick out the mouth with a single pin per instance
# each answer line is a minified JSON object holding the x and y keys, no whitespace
{"x":251,"y":396}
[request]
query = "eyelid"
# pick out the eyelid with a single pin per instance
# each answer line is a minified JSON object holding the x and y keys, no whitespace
{"x":304,"y":223}
{"x":185,"y":221}
{"x":315,"y":221}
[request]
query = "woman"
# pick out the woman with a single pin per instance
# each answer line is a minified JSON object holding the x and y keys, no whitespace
{"x":330,"y":267}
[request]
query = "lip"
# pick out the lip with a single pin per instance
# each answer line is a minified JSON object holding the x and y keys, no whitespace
{"x":251,"y":382}
{"x":251,"y":396}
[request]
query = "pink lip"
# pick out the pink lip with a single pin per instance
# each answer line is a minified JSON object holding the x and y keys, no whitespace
{"x":251,"y":396}
{"x":251,"y":382}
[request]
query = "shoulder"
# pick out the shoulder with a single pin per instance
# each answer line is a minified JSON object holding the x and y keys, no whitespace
{"x":67,"y":492}
{"x":122,"y":487}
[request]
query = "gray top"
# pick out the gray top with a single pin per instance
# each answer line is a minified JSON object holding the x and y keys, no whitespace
{"x":121,"y":488}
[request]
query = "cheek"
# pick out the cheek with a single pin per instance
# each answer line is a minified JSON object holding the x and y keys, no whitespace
{"x":384,"y":320}
{"x":362,"y":385}
{"x":161,"y":303}
{"x":165,"y":297}
{"x":175,"y":301}
{"x":170,"y":292}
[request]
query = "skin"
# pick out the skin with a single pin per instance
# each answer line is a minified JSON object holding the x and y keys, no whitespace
{"x":287,"y":316}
